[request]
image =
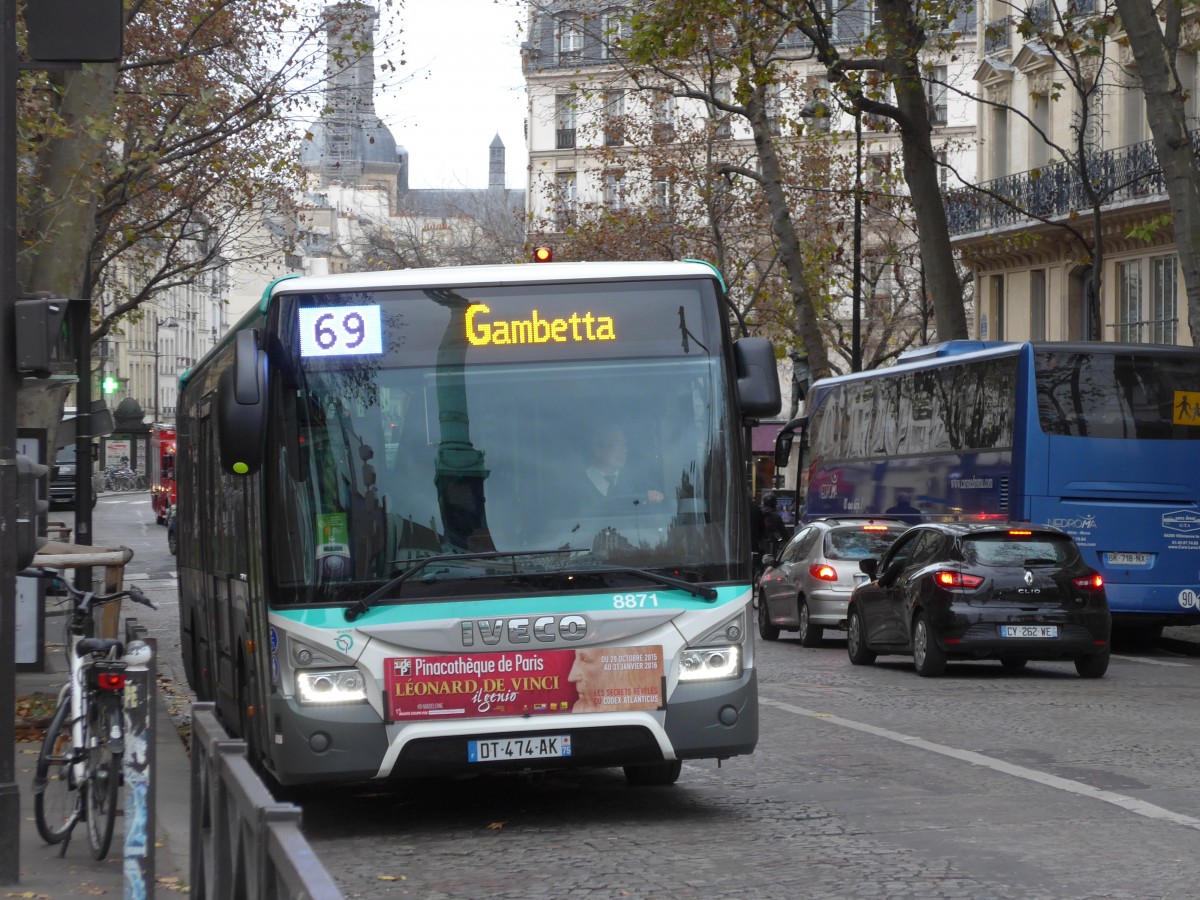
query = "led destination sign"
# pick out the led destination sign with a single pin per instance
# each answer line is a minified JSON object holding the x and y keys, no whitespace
{"x":483,"y":331}
{"x":502,"y":323}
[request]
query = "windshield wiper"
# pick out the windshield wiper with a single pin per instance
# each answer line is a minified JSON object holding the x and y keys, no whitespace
{"x":696,"y":590}
{"x":360,"y":607}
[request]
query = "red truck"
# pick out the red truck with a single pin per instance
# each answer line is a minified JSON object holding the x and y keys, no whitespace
{"x":161,"y":469}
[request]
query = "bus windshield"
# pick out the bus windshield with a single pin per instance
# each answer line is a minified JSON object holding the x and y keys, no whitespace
{"x":595,"y":459}
{"x":1117,"y":395}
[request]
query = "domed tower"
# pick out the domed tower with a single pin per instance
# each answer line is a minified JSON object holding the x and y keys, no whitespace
{"x":349,"y":143}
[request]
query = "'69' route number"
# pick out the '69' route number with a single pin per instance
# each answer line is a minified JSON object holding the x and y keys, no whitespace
{"x":634,"y":601}
{"x":340,"y":331}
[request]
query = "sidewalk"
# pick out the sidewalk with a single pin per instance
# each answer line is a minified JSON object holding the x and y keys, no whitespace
{"x":49,"y":877}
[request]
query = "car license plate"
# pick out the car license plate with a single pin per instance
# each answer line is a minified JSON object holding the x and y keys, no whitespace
{"x":1029,"y":631}
{"x":860,"y":578}
{"x":501,"y":749}
{"x":1127,"y":559}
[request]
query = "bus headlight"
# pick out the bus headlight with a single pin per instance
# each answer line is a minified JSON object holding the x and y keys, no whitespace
{"x":710,"y":663}
{"x":331,"y":686}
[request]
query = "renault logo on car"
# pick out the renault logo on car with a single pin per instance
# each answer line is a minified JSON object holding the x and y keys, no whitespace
{"x":523,"y":630}
{"x":1028,"y":577}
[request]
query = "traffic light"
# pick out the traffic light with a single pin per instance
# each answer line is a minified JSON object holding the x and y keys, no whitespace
{"x":41,"y":334}
{"x":31,"y":509}
{"x":111,"y":384}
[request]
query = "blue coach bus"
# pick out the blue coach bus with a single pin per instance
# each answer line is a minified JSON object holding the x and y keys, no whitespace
{"x":1099,"y":439}
{"x":395,"y":558}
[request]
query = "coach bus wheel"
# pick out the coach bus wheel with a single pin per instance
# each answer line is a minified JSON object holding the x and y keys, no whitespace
{"x":768,"y":631}
{"x":654,"y":773}
{"x":810,"y":634}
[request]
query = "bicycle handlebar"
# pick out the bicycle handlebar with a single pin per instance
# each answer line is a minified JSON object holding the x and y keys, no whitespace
{"x":133,"y":592}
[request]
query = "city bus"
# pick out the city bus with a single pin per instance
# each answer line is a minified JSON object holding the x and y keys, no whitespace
{"x":387,"y":567}
{"x":1098,"y":439}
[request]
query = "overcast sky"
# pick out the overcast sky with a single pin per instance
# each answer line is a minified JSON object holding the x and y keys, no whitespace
{"x":465,"y":86}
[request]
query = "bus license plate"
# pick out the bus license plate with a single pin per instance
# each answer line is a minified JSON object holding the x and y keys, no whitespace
{"x":501,"y":749}
{"x":1029,"y":631}
{"x":1127,"y":559}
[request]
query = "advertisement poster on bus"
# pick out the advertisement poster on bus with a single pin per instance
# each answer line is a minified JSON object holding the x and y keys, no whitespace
{"x":525,"y":683}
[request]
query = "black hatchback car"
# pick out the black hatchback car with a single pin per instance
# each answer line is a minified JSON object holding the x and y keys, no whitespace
{"x":999,"y":590}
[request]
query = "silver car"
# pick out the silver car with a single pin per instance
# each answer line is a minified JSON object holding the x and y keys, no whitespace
{"x":806,"y":588}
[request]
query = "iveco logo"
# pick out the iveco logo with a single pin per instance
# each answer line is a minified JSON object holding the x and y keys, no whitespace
{"x":543,"y":629}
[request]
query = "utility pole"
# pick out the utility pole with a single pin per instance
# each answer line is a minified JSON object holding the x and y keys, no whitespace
{"x":10,"y":382}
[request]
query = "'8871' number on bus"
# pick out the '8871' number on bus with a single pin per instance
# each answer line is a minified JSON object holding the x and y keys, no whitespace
{"x":340,"y":331}
{"x":635,"y":601}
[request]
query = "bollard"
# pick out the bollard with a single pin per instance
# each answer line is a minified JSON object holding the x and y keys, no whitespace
{"x":138,"y":766}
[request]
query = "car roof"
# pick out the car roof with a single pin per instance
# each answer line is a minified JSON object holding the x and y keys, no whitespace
{"x":964,"y":529}
{"x":859,"y":520}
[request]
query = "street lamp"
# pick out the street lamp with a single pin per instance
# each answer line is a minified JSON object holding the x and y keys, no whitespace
{"x":815,"y":109}
{"x":159,"y":324}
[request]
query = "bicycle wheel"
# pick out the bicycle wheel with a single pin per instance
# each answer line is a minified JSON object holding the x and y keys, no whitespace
{"x":103,"y":772}
{"x":57,"y":802}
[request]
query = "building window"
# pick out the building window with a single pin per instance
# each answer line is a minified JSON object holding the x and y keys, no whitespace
{"x":722,"y":93}
{"x":564,"y":200}
{"x":564,"y":118}
{"x":663,"y":117}
{"x":614,"y":118}
{"x":1133,"y":113}
{"x":1129,"y":314}
{"x":662,"y":191}
{"x":615,"y":32}
{"x":1164,"y":296}
{"x":935,"y":92}
{"x":999,"y":148}
{"x":1037,"y":305}
{"x":570,"y":39}
{"x":614,"y":190}
{"x":998,"y":300}
{"x":1039,"y":134}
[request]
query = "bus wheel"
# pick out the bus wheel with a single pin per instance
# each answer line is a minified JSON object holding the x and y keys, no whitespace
{"x":654,"y":774}
{"x":200,"y":669}
{"x":768,"y":631}
{"x":810,"y":634}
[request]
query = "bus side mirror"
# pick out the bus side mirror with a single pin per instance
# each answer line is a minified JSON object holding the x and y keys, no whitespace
{"x":242,"y":407}
{"x":757,"y":377}
{"x":783,"y":449}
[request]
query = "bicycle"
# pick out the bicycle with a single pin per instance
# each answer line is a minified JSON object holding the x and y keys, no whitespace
{"x":78,"y":772}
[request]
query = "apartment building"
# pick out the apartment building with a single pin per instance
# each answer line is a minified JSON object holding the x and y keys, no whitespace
{"x":1069,"y":176}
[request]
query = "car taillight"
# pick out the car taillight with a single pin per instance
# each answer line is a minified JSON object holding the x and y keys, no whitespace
{"x":1019,"y":532}
{"x":946,"y":578}
{"x":823,"y":572}
{"x":1089,"y":582}
{"x":874,"y":528}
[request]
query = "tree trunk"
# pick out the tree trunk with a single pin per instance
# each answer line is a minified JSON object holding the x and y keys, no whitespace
{"x":904,"y":39}
{"x":1176,"y":156}
{"x":789,"y":244}
{"x":69,"y":169}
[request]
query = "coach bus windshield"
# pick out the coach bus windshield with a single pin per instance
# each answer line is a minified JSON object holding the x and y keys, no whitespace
{"x":1119,"y":395}
{"x":589,"y":424}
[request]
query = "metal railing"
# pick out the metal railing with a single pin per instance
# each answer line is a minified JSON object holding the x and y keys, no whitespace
{"x":564,"y":138}
{"x":244,"y":843}
{"x":1056,"y":190}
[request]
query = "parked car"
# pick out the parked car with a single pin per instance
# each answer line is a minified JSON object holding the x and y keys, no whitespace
{"x":807,"y":587}
{"x":62,"y":478}
{"x":1007,"y":591}
{"x":172,"y":530}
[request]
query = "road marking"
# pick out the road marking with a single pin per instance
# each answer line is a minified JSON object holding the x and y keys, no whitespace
{"x":1151,"y":662}
{"x":1130,"y":804}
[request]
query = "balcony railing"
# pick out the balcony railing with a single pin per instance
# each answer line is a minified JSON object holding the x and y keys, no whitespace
{"x":1056,"y":190}
{"x":564,"y":138}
